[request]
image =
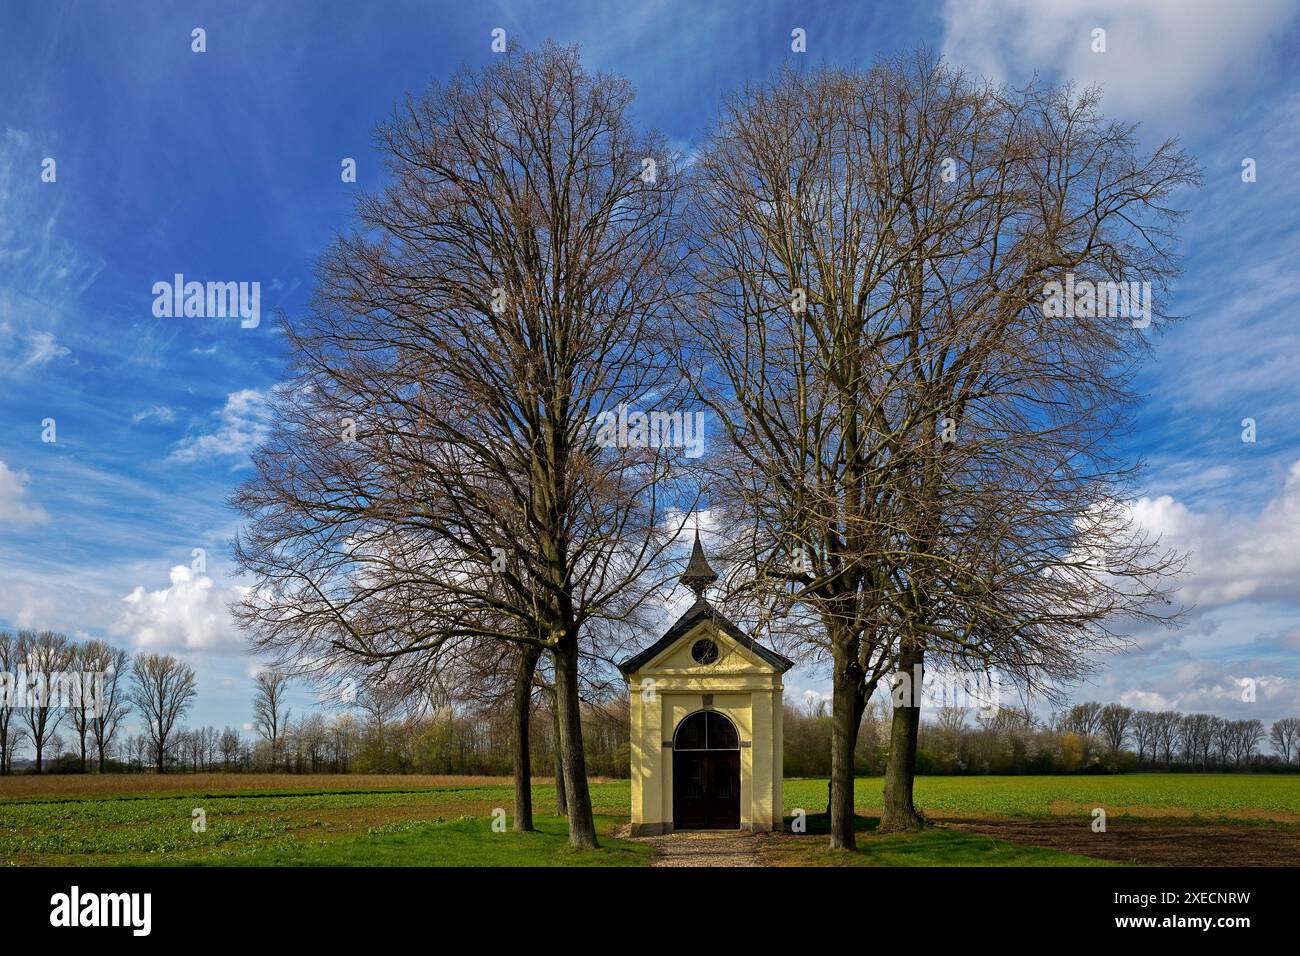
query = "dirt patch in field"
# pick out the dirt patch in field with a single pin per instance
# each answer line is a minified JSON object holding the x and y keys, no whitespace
{"x":29,"y":787}
{"x":1149,"y":842}
{"x":110,"y":784}
{"x":1067,"y":808}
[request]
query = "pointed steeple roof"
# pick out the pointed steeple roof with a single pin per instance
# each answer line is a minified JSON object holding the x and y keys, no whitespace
{"x":698,"y":575}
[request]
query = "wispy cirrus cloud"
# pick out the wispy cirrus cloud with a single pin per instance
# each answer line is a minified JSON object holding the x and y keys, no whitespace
{"x":43,"y":276}
{"x":158,"y":413}
{"x":16,"y":504}
{"x":42,"y":348}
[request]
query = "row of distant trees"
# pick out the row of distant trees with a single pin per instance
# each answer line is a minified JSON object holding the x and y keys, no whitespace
{"x":454,"y":741}
{"x":383,"y":731}
{"x":56,"y":688}
{"x":67,"y":703}
{"x":1088,"y":737}
{"x":1167,"y":738}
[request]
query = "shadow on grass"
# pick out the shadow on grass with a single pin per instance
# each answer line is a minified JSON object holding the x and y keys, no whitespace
{"x":820,"y":824}
{"x":934,"y":846}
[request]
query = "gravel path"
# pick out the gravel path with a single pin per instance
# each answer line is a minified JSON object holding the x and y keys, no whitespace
{"x":700,"y":848}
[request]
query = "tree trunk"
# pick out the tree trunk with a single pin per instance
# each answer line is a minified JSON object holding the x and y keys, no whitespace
{"x":561,"y":797}
{"x":846,"y":714}
{"x":582,"y":828}
{"x":900,"y":774}
{"x":526,"y":657}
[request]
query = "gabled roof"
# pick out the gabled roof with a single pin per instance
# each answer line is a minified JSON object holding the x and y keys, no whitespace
{"x":702,"y":610}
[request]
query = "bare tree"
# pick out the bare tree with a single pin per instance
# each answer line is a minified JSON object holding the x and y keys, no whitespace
{"x":1166,"y":734}
{"x":11,"y":693}
{"x":1144,"y":734}
{"x":1284,"y":735}
{"x":48,"y":659}
{"x":952,"y":718}
{"x":916,"y":444}
{"x":1187,"y":737}
{"x":1084,"y":719}
{"x":343,"y":735}
{"x":1115,"y":722}
{"x":512,"y":288}
{"x":1022,"y":551}
{"x":162,"y":691}
{"x":1250,"y":734}
{"x":1200,"y":732}
{"x":229,"y":747}
{"x":1224,"y":736}
{"x":84,"y":700}
{"x":113,"y":665}
{"x":100,"y":701}
{"x":788,"y":272}
{"x":270,"y":714}
{"x":313,"y":737}
{"x":137,"y":751}
{"x":381,"y":706}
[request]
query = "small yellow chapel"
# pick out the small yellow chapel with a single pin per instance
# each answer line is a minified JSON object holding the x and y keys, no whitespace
{"x":706,"y":723}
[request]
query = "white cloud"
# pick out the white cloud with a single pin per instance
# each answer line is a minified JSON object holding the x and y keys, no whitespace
{"x":189,"y":614}
{"x":16,"y":506}
{"x":244,"y":424}
{"x":1233,"y":557}
{"x":1162,"y":56}
{"x":1207,"y":687}
{"x":684,"y":525}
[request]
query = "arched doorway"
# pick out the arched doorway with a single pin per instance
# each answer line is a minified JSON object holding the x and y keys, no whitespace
{"x":706,"y":773}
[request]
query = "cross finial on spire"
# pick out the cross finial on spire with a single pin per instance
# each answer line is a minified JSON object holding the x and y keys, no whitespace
{"x":698,"y":575}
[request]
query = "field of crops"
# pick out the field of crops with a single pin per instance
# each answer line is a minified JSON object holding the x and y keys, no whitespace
{"x":343,"y":820}
{"x":1222,"y":796}
{"x":243,"y":826}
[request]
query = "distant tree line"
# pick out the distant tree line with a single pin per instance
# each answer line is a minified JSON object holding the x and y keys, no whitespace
{"x":1085,"y":738}
{"x":77,"y":727}
{"x":468,"y":740}
{"x":65,"y":703}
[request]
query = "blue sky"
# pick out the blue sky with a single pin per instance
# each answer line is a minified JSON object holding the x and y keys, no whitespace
{"x":225,"y":165}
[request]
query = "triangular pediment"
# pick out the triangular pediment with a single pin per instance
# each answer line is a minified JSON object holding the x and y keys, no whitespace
{"x":737,"y":652}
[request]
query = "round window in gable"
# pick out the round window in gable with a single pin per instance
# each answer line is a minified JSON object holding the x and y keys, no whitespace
{"x":704,"y":651}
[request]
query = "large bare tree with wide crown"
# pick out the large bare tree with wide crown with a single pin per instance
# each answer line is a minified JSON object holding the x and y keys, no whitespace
{"x":434,"y":481}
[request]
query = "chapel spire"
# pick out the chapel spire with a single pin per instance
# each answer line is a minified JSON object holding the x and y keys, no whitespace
{"x":698,"y":575}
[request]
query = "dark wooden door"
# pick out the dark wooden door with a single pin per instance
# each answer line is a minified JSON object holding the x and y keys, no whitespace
{"x":706,"y":790}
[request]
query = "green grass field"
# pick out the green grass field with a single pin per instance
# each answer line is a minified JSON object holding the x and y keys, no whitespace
{"x":451,"y":825}
{"x":1214,"y":796}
